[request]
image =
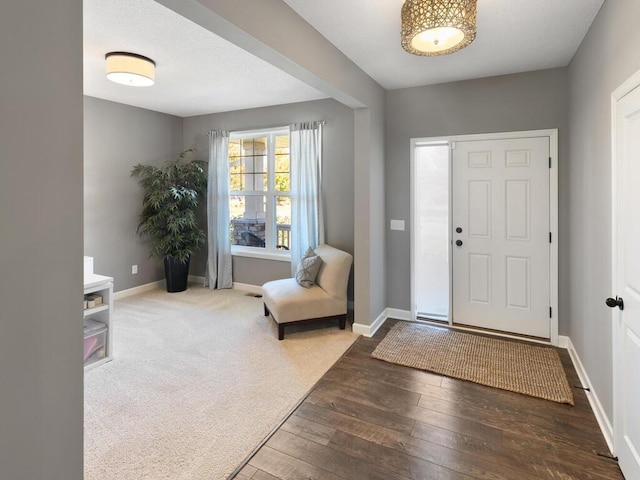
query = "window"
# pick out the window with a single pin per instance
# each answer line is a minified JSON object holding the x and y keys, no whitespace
{"x":259,"y":192}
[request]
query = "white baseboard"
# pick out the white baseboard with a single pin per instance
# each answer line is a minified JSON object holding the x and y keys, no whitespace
{"x":152,"y":286}
{"x":247,"y":287}
{"x":244,"y":287}
{"x":592,"y":396}
{"x":370,"y":330}
{"x":139,"y":289}
{"x":563,"y":342}
{"x":398,"y":314}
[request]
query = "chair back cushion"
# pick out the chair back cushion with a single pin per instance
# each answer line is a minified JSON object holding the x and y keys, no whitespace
{"x":308,"y":269}
{"x":333,"y":276}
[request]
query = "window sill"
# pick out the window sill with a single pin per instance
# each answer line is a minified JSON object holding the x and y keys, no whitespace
{"x":249,"y":252}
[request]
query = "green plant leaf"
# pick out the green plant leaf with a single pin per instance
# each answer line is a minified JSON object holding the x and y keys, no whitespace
{"x":171,"y":195}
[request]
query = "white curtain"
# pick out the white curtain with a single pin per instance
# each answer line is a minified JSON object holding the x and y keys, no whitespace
{"x":307,"y":225}
{"x":218,"y":271}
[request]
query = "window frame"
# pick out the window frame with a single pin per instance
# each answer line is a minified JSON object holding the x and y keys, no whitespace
{"x":269,"y":251}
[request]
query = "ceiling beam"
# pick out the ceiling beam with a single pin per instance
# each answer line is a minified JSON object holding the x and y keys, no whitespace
{"x":272,"y":31}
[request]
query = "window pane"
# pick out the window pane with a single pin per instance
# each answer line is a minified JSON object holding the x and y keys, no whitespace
{"x":282,"y":182}
{"x":248,"y":164}
{"x":235,"y":146}
{"x":247,"y":214}
{"x":283,"y":222}
{"x":432,"y":231}
{"x":283,"y":165}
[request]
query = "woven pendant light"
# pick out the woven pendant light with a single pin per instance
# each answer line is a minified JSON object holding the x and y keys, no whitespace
{"x":438,"y":27}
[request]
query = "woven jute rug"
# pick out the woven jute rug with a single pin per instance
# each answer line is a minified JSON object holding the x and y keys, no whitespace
{"x":509,"y":365}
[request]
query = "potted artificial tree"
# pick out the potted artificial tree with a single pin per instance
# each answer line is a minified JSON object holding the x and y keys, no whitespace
{"x":168,"y":218}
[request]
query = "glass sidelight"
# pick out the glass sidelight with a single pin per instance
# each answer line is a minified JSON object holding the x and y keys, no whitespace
{"x":431,"y":231}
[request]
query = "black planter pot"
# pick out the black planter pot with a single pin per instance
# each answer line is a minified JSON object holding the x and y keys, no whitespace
{"x":176,"y":274}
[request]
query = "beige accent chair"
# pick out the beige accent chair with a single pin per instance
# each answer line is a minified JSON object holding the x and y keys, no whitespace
{"x":289,"y":303}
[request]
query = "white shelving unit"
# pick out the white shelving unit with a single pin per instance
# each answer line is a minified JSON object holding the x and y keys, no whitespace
{"x":98,"y":342}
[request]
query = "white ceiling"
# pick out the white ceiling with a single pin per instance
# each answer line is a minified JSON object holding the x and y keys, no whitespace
{"x":513,"y":36}
{"x":198,"y":72}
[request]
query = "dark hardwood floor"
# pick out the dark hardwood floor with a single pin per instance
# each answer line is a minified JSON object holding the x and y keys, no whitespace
{"x":367,"y":419}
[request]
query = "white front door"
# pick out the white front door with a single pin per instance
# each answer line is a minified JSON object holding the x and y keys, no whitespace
{"x":626,"y":279}
{"x":500,"y":234}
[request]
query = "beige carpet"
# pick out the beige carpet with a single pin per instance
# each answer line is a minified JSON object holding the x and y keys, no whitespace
{"x":199,"y":378}
{"x":509,"y":365}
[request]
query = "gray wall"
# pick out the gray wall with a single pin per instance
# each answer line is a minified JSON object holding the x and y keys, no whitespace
{"x":265,"y":29}
{"x":606,"y":58}
{"x":41,"y":240}
{"x":338,"y":172}
{"x":116,"y":137}
{"x":526,"y":101}
{"x":371,"y":275}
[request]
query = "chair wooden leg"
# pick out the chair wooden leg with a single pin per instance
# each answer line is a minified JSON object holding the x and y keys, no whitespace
{"x":281,"y":331}
{"x":342,"y":321}
{"x":266,"y":310}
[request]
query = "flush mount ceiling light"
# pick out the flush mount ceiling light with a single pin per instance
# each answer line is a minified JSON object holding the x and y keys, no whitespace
{"x":438,"y":27}
{"x":130,"y":69}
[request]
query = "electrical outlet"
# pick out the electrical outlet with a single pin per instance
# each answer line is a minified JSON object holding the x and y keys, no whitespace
{"x":134,"y":269}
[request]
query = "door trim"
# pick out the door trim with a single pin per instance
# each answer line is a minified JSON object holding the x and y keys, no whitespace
{"x":552,"y":134}
{"x":626,"y":87}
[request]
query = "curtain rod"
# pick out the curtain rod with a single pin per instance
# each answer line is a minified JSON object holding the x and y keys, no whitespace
{"x":319,"y":122}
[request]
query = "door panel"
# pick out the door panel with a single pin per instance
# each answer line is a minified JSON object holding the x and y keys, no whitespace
{"x":518,"y":216}
{"x":518,"y":282}
{"x":501,"y":271}
{"x":479,"y":209}
{"x":626,"y":359}
{"x":480,"y":279}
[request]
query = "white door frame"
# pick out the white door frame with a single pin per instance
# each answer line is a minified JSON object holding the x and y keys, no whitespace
{"x":553,"y":214}
{"x":629,"y":85}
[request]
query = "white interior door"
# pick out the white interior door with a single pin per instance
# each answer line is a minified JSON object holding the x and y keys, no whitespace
{"x":626,"y":279}
{"x":501,"y":235}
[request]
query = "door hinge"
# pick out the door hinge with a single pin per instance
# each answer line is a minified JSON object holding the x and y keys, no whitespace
{"x":549,"y":162}
{"x":550,"y":312}
{"x":549,"y":237}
